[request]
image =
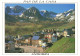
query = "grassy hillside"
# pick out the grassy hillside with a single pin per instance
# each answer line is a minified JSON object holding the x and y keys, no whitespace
{"x":68,"y":25}
{"x":64,"y":45}
{"x":19,"y":28}
{"x":28,"y":28}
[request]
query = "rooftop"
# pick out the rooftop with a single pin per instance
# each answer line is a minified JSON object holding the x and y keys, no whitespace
{"x":35,"y":37}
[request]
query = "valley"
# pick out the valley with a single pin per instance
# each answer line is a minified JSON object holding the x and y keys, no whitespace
{"x":41,"y":31}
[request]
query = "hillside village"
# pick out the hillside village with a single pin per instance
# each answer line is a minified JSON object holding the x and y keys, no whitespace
{"x":38,"y":42}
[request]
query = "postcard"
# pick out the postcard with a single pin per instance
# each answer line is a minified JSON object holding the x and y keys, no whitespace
{"x":40,"y":27}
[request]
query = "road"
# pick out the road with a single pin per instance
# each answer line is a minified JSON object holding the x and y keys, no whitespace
{"x":32,"y":49}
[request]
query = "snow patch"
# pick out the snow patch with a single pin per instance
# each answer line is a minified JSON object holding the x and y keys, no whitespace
{"x":28,"y":8}
{"x":44,"y":11}
{"x":11,"y":7}
{"x":70,"y":10}
{"x":71,"y":18}
{"x":68,"y":14}
{"x":59,"y":14}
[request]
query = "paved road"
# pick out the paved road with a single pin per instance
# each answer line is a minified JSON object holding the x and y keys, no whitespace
{"x":31,"y":49}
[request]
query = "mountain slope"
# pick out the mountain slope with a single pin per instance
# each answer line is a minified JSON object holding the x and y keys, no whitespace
{"x":66,"y":16}
{"x":47,"y":14}
{"x":64,"y":45}
{"x":33,"y":14}
{"x":10,"y":18}
{"x":16,"y":10}
{"x":7,"y":10}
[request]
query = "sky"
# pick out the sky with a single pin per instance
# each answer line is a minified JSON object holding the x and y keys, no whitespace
{"x":58,"y":8}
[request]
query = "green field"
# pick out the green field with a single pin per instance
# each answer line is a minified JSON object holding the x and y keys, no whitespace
{"x":64,"y":45}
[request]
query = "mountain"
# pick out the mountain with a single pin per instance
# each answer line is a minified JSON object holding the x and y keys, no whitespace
{"x":32,"y":14}
{"x":66,"y":16}
{"x":48,"y":14}
{"x":7,"y":10}
{"x":16,"y":10}
{"x":32,"y":11}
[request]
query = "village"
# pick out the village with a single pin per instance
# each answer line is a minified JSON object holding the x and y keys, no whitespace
{"x":38,"y":42}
